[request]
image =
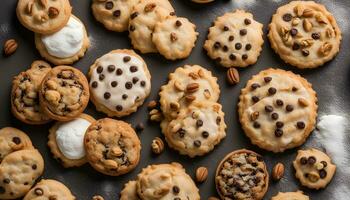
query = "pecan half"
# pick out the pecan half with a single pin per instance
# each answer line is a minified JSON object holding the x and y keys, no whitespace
{"x":201,"y":174}
{"x":325,"y":49}
{"x":232,"y":76}
{"x":149,"y":7}
{"x":192,"y":87}
{"x":157,"y":145}
{"x":278,"y":171}
{"x":10,"y":47}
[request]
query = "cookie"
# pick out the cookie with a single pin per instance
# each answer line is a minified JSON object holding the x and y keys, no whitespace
{"x":277,"y":110}
{"x":43,"y":16}
{"x":235,"y":39}
{"x":298,"y":195}
{"x":49,"y":189}
{"x":18,"y":172}
{"x":112,"y":147}
{"x":113,"y":14}
{"x":196,"y":129}
{"x":304,"y":34}
{"x":174,"y":37}
{"x":129,"y":191}
{"x":65,"y":46}
{"x":313,"y":168}
{"x":11,"y":140}
{"x":66,"y":140}
{"x":143,"y":19}
{"x":242,"y":174}
{"x":119,"y":82}
{"x":64,"y":93}
{"x":24,"y":95}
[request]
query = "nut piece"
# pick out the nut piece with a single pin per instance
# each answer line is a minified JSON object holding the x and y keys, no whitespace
{"x":325,"y":49}
{"x":308,"y":13}
{"x":201,"y":174}
{"x":157,"y":145}
{"x":152,"y":104}
{"x":10,"y":47}
{"x":192,"y":87}
{"x":155,"y":115}
{"x":97,"y":197}
{"x":193,"y":75}
{"x":149,"y":7}
{"x":190,"y":98}
{"x":299,"y":10}
{"x":207,"y":94}
{"x":53,"y":12}
{"x":178,"y":86}
{"x":330,"y":33}
{"x":296,"y":21}
{"x":232,"y":76}
{"x":173,"y":37}
{"x":278,"y":171}
{"x":254,"y":116}
{"x":307,"y":25}
{"x":303,"y":102}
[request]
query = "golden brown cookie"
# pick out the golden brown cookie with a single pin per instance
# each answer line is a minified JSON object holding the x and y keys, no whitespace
{"x":298,"y":195}
{"x":49,"y":189}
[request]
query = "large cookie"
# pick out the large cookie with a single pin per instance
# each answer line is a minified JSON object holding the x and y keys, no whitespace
{"x":277,"y":110}
{"x":298,"y":195}
{"x":48,"y":189}
{"x":304,"y":34}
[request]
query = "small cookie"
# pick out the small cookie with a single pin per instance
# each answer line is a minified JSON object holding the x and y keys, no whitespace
{"x":242,"y":174}
{"x":24,"y":94}
{"x":66,"y":140}
{"x":196,"y":129}
{"x":49,"y":189}
{"x":277,"y":110}
{"x":298,"y":195}
{"x":43,"y":16}
{"x":66,"y":45}
{"x":112,"y":147}
{"x":18,"y":172}
{"x":129,"y":191}
{"x":119,"y":82}
{"x":174,"y":37}
{"x":235,"y":40}
{"x":11,"y":140}
{"x":143,"y":19}
{"x":313,"y":168}
{"x":64,"y":93}
{"x":304,"y":34}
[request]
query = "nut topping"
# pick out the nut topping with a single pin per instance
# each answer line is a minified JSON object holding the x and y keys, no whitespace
{"x":157,"y":145}
{"x":325,"y":49}
{"x":308,"y":13}
{"x":149,"y":7}
{"x":232,"y":76}
{"x":53,"y":12}
{"x":307,"y":25}
{"x":201,"y":174}
{"x":192,"y":87}
{"x":10,"y":47}
{"x":278,"y":171}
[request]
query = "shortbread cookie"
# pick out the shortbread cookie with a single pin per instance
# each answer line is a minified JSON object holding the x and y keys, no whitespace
{"x":129,"y":191}
{"x":112,"y":147}
{"x":64,"y":93}
{"x":304,"y":34}
{"x":144,"y":17}
{"x":66,"y":140}
{"x":235,"y":39}
{"x":66,"y":45}
{"x":175,"y":37}
{"x":298,"y":195}
{"x":11,"y":140}
{"x":48,"y":189}
{"x":313,"y":168}
{"x":277,"y":110}
{"x":18,"y":172}
{"x":196,"y":129}
{"x":43,"y":16}
{"x":119,"y":82}
{"x":242,"y":174}
{"x":113,"y":14}
{"x":24,"y":95}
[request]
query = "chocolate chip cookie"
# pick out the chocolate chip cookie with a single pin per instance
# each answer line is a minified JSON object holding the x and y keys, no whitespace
{"x":49,"y":189}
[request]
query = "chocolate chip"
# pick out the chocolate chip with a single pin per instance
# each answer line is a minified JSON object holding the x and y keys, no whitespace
{"x":293,"y":32}
{"x":139,"y":127}
{"x":114,"y":83}
{"x":199,"y":123}
{"x":255,"y":99}
{"x":119,"y":72}
{"x":34,"y":166}
{"x":226,"y":28}
{"x":128,"y":85}
{"x":248,"y":47}
{"x":289,"y":108}
{"x":305,"y":52}
{"x":107,"y":95}
{"x":205,"y":134}
{"x":176,"y":190}
{"x":243,"y":32}
{"x":300,"y":125}
{"x":323,"y":173}
{"x":181,"y":133}
{"x":274,"y":116}
{"x":217,"y":45}
{"x":256,"y":124}
{"x":279,"y":102}
{"x":295,"y":46}
{"x":134,"y":15}
{"x":109,"y":5}
{"x":132,"y":28}
{"x":232,"y":57}
{"x":231,"y":38}
{"x":303,"y":160}
{"x":254,"y":86}
{"x":133,"y":69}
{"x":238,"y":46}
{"x":2,"y":190}
{"x":197,"y":143}
{"x":116,"y":13}
{"x":278,"y":132}
{"x":279,"y":124}
{"x":294,"y":89}
{"x":287,"y":17}
{"x":6,"y":181}
{"x":143,"y":83}
{"x":324,"y":163}
{"x":94,"y":84}
{"x":244,"y":56}
{"x":16,"y":140}
{"x":311,"y":160}
{"x":267,"y":79}
{"x":225,"y":48}
{"x":247,"y":21}
{"x":119,"y":108}
{"x":218,"y":120}
{"x":135,"y":80}
{"x":124,"y":96}
{"x":268,"y":108}
{"x":172,"y":13}
{"x":111,"y":68}
{"x":99,"y":69}
{"x":315,"y":36}
{"x":178,"y":23}
{"x":101,"y":77}
{"x":272,"y":90}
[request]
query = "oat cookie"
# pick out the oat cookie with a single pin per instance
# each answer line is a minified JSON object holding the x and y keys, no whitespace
{"x":119,"y":82}
{"x":298,"y":195}
{"x":235,"y":39}
{"x":304,"y":34}
{"x":18,"y":172}
{"x":66,"y":45}
{"x":277,"y":109}
{"x":43,"y":16}
{"x":313,"y":168}
{"x":48,"y":189}
{"x":242,"y":174}
{"x":66,"y":140}
{"x":112,"y":147}
{"x":24,"y":94}
{"x":175,"y":37}
{"x":64,"y":93}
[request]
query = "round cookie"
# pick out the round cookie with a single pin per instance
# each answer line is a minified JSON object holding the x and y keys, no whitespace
{"x":66,"y":45}
{"x":174,"y":37}
{"x":119,"y":82}
{"x":143,"y":19}
{"x":49,"y":189}
{"x":18,"y":172}
{"x":129,"y":191}
{"x":113,"y":14}
{"x":64,"y":93}
{"x":66,"y":140}
{"x":196,"y":129}
{"x":304,"y":34}
{"x":242,"y":174}
{"x":112,"y":147}
{"x":313,"y":168}
{"x":235,"y":39}
{"x":277,"y":110}
{"x":44,"y":17}
{"x":298,"y":195}
{"x":24,"y":95}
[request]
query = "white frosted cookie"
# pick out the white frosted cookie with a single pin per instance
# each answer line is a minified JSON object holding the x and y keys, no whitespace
{"x":304,"y":34}
{"x":313,"y":168}
{"x":119,"y":82}
{"x":277,"y":109}
{"x":298,"y":195}
{"x":175,"y":37}
{"x":235,"y":39}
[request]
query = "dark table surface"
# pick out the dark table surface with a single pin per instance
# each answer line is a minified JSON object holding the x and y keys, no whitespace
{"x":330,"y":81}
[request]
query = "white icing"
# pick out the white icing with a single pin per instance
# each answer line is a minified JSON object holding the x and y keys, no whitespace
{"x":70,"y":138}
{"x":66,"y":42}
